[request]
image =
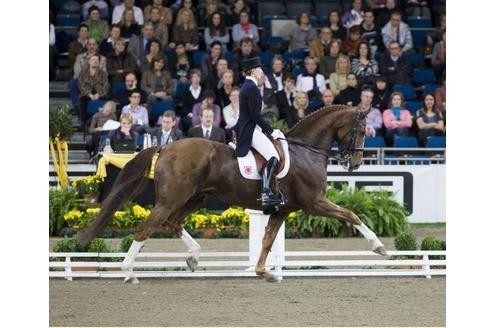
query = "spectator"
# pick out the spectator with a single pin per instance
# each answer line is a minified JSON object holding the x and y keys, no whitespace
{"x":153,"y":51}
{"x":327,"y":63}
{"x":107,"y":47}
{"x":82,"y":59}
{"x":397,"y":120}
{"x":185,"y":30}
{"x":268,"y":104}
{"x":303,"y":34}
{"x":321,"y":47}
{"x":52,"y":53}
{"x":371,"y":32}
{"x":338,"y":79}
{"x":210,"y":7}
{"x":440,"y":97}
{"x":98,"y":120}
{"x":206,"y":129}
{"x":157,"y":82}
{"x":216,"y":30}
{"x":435,"y":36}
{"x":131,"y":85}
{"x":417,"y":8}
{"x":381,"y":92}
{"x":223,"y":94}
{"x":383,"y":13}
{"x":167,"y":132}
{"x":78,"y":46}
{"x":245,"y":51}
{"x":120,"y":63}
{"x":210,"y":59}
{"x":93,"y":84}
{"x":429,"y":120}
{"x":374,"y":122}
{"x":235,"y":11}
{"x":244,"y":29}
{"x":139,"y":44}
{"x":328,"y":97}
{"x":140,"y":119}
{"x":394,"y":66}
{"x":338,"y":30}
{"x":285,"y":98}
{"x":164,"y":13}
{"x":98,"y":28}
{"x":274,"y":79}
{"x":438,"y":58}
{"x":160,"y":29}
{"x":310,"y":81}
{"x":364,"y":66}
{"x":182,"y":67}
{"x":118,"y":12}
{"x":398,"y":31}
{"x":214,"y":81}
{"x":351,"y":94}
{"x":101,"y":4}
{"x":128,"y":25}
{"x":351,"y":43}
{"x":191,"y":97}
{"x":206,"y":103}
{"x":124,"y":131}
{"x":231,"y":114}
{"x":299,"y":108}
{"x":354,"y":16}
{"x":184,"y":4}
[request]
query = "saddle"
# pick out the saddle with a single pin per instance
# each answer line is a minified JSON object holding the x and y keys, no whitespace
{"x":251,"y":165}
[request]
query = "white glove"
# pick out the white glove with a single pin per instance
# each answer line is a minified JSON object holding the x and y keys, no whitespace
{"x":277,"y":134}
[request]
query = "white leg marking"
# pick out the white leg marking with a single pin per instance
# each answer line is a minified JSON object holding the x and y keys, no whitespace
{"x":191,"y":243}
{"x":129,"y":261}
{"x":369,"y":235}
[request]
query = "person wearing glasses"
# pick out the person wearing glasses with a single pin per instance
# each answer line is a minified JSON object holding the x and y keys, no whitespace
{"x":396,"y":30}
{"x":394,"y":66}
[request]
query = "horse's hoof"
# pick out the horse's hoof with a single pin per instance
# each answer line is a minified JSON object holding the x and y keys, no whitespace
{"x":273,"y":278}
{"x":192,"y":263}
{"x":380,"y":250}
{"x":131,"y":280}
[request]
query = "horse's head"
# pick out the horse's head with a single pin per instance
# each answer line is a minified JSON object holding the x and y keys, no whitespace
{"x":350,"y":138}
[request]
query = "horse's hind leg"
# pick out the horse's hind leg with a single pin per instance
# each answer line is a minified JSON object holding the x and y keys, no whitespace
{"x":271,"y":230}
{"x":174,"y":221}
{"x":146,"y":229}
{"x":329,"y":209}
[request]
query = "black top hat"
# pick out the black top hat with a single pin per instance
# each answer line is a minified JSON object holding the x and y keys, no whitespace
{"x":251,"y":63}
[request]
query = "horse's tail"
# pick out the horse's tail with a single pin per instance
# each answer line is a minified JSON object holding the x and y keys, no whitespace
{"x":130,"y":182}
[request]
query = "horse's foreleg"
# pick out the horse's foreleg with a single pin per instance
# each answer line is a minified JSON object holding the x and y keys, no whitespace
{"x":329,"y":209}
{"x":271,"y":230}
{"x":128,"y":262}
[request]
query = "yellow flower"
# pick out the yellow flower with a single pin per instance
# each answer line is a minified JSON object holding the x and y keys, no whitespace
{"x":292,"y":215}
{"x":140,"y":212}
{"x":91,"y":210}
{"x":73,"y":214}
{"x":119,"y":214}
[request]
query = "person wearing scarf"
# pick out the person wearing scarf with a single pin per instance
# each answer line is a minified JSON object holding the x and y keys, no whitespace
{"x":397,"y":120}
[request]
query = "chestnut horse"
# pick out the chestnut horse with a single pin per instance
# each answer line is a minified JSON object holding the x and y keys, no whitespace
{"x":188,"y":170}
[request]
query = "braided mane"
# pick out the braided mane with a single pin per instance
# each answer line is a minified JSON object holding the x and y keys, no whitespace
{"x":316,"y":114}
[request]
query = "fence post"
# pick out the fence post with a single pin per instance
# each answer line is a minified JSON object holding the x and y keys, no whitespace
{"x":426,"y":268}
{"x":257,"y":224}
{"x":68,"y":268}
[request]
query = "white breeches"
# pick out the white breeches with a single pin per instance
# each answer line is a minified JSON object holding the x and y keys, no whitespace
{"x":263,"y":145}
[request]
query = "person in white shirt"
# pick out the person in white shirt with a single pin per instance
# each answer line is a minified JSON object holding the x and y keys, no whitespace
{"x":167,"y":133}
{"x":118,"y":11}
{"x":311,"y":81}
{"x":139,"y":113}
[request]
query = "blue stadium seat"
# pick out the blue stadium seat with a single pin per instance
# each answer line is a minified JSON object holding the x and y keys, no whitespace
{"x":436,"y":142}
{"x":68,"y":20}
{"x":295,"y":7}
{"x":374,"y":142}
{"x":117,"y":88}
{"x":325,"y":6}
{"x":95,"y":105}
{"x":266,"y":58}
{"x":323,"y":21}
{"x":159,"y":107}
{"x":431,"y":88}
{"x":314,"y":105}
{"x":406,"y":142}
{"x":293,"y":55}
{"x":408,"y":91}
{"x":270,"y":7}
{"x":297,"y":70}
{"x":267,"y":20}
{"x":419,"y":37}
{"x":413,"y":106}
{"x":229,"y":56}
{"x":420,"y":22}
{"x":422,"y":76}
{"x":181,"y":89}
{"x":197,"y":56}
{"x":416,"y":59}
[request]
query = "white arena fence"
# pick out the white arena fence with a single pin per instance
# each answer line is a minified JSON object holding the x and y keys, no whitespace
{"x":238,"y":264}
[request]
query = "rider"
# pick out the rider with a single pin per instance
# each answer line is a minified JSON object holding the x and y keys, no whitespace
{"x":251,"y":129}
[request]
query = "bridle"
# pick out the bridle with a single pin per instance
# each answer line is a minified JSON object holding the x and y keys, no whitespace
{"x":343,"y":154}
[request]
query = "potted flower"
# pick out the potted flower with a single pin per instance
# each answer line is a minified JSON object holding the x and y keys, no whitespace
{"x":234,"y":219}
{"x":89,"y":187}
{"x":207,"y":223}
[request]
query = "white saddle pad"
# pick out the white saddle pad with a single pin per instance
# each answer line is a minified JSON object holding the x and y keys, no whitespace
{"x":247,"y":164}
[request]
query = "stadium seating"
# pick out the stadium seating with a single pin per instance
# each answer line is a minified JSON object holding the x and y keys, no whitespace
{"x":266,"y":58}
{"x":267,"y":20}
{"x":416,"y":59}
{"x":420,"y":22}
{"x":325,"y":6}
{"x":436,"y":142}
{"x":431,"y":88}
{"x":407,"y":91}
{"x":295,"y":7}
{"x":159,"y":107}
{"x":406,"y":142}
{"x":117,"y":88}
{"x":95,"y":105}
{"x":413,"y":106}
{"x":422,"y":76}
{"x":197,"y":56}
{"x":68,"y":20}
{"x":268,"y":7}
{"x":180,"y":90}
{"x":374,"y":142}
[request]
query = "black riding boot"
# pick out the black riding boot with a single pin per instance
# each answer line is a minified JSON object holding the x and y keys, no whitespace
{"x":268,"y":197}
